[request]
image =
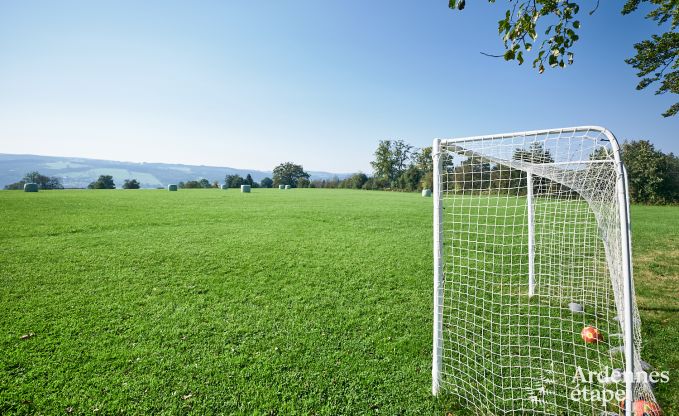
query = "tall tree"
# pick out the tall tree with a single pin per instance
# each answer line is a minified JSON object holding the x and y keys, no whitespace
{"x":391,"y":159}
{"x":288,"y":173}
{"x":383,"y":165}
{"x":647,"y":169}
{"x":656,"y":59}
{"x":248,"y":180}
{"x":423,"y":160}
{"x":401,"y":153}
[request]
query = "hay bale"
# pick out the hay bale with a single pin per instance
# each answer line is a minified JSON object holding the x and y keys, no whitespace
{"x":287,"y":186}
{"x":245,"y":188}
{"x":426,"y":192}
{"x":225,"y":187}
{"x":576,"y":307}
{"x":282,"y":187}
{"x":31,"y":187}
{"x":172,"y":187}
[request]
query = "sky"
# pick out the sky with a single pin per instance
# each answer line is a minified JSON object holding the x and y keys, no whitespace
{"x":252,"y":84}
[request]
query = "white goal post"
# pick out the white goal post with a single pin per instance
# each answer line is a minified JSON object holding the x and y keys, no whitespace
{"x":533,"y":288}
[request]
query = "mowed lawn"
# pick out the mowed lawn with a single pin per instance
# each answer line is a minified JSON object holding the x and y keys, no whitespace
{"x":274,"y":302}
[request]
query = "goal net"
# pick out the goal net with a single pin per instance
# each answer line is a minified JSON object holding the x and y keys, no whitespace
{"x":534,"y":309}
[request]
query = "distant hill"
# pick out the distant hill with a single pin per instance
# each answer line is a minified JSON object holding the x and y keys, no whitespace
{"x":76,"y":172}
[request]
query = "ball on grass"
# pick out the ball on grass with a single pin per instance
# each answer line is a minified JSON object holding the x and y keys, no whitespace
{"x":591,"y":335}
{"x":643,"y":408}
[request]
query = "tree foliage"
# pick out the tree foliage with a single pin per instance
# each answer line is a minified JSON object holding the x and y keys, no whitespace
{"x":391,"y":159}
{"x":104,"y":182}
{"x":521,"y":29}
{"x":653,"y":175}
{"x":234,"y":181}
{"x":288,"y":173}
{"x":131,"y":184}
{"x":197,"y":184}
{"x":44,"y":182}
{"x":266,"y":182}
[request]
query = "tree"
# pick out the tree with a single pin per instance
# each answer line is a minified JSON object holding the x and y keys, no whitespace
{"x":131,"y":184}
{"x":391,"y":159}
{"x":356,"y":181}
{"x":234,"y":181}
{"x":383,"y":165}
{"x":402,"y":152}
{"x":288,"y":174}
{"x":647,"y":169}
{"x":215,"y":184}
{"x":104,"y":182}
{"x":521,"y":27}
{"x":192,"y":185}
{"x":44,"y":182}
{"x":472,"y":174}
{"x":410,"y":179}
{"x":204,"y":183}
{"x":423,"y":160}
{"x":248,"y":180}
{"x":654,"y":56}
{"x":266,"y":183}
{"x":303,"y":183}
{"x":16,"y":186}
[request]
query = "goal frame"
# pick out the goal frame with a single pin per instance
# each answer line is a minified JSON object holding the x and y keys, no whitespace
{"x":626,"y":255}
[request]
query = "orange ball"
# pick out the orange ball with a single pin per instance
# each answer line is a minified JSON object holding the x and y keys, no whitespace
{"x":591,"y":335}
{"x":644,"y":408}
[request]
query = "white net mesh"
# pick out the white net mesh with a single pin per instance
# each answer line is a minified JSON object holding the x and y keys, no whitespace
{"x":503,"y":351}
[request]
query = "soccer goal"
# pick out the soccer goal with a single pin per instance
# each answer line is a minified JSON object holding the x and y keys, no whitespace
{"x":534,"y":309}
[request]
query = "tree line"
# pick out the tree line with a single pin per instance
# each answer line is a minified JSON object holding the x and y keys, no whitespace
{"x":399,"y":166}
{"x":653,"y":175}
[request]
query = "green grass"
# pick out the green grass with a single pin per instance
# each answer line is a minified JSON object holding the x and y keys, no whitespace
{"x":274,"y":302}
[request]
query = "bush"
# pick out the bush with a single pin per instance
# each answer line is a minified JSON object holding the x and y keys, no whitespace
{"x":131,"y":184}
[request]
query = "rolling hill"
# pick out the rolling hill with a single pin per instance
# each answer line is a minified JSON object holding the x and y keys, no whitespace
{"x":77,"y":172}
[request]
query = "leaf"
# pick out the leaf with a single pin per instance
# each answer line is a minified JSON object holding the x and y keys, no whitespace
{"x":519,"y":57}
{"x":576,"y":24}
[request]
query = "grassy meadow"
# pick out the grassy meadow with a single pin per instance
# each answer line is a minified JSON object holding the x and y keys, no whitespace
{"x":306,"y":301}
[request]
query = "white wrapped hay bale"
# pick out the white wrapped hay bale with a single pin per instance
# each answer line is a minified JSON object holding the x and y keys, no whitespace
{"x":282,"y":186}
{"x":172,"y":187}
{"x":287,"y":186}
{"x":426,"y":192}
{"x":245,"y":188}
{"x":31,"y":187}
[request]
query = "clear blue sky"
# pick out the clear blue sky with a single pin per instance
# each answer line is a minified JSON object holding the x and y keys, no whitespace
{"x":251,"y":84}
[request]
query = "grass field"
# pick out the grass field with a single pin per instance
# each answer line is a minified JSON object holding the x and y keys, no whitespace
{"x":210,"y":301}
